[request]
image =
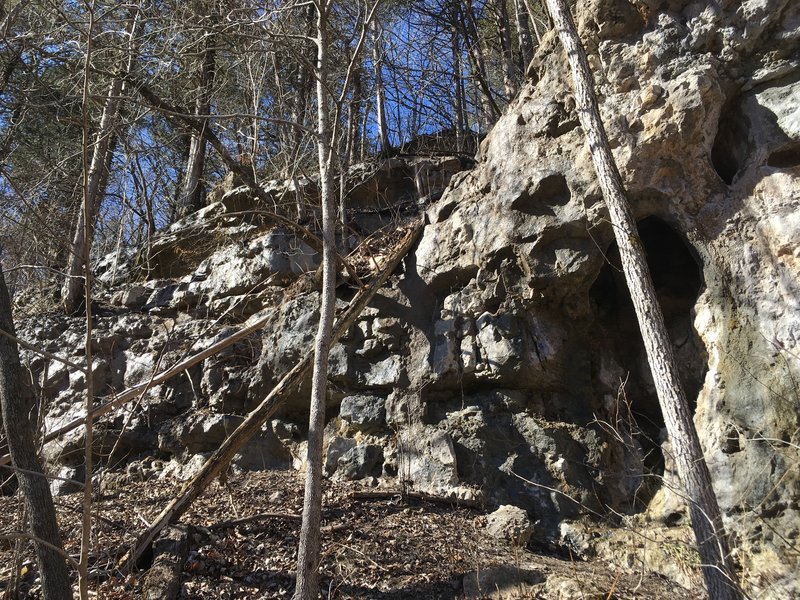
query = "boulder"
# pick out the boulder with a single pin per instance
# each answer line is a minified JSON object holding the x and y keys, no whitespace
{"x":510,"y":523}
{"x":337,"y":447}
{"x":502,"y":582}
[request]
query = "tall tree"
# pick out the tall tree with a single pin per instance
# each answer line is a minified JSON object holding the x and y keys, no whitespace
{"x":380,"y":91}
{"x":712,"y":541}
{"x":19,"y":420}
{"x":308,"y":552}
{"x":524,"y":37}
{"x":328,"y":126}
{"x":96,"y":176}
{"x":192,"y":194}
{"x":458,"y":83}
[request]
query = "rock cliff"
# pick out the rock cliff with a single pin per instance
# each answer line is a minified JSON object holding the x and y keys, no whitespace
{"x":504,"y":363}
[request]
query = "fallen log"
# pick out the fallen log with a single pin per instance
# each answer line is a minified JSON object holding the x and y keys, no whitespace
{"x":220,"y":459}
{"x":170,"y":550}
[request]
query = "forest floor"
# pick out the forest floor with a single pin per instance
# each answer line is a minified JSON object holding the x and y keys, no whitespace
{"x":243,"y":543}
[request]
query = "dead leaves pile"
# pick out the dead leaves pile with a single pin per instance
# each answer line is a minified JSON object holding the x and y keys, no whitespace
{"x":244,"y":535}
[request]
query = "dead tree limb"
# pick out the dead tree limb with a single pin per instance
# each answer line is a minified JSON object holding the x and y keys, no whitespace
{"x":135,"y":391}
{"x":220,"y":459}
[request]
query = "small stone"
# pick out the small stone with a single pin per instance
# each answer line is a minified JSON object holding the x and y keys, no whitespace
{"x":510,"y":523}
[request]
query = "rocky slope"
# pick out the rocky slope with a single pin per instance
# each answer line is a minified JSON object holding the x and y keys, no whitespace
{"x":493,"y":367}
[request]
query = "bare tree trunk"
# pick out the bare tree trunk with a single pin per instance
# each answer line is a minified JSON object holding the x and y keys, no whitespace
{"x":301,"y":98}
{"x":524,"y":36}
{"x":364,"y":147}
{"x":192,"y":194}
{"x":354,"y":119}
{"x":710,"y":535}
{"x":89,"y":215}
{"x":510,"y":79}
{"x":458,"y":84}
{"x":17,"y":411}
{"x":96,"y":181}
{"x":380,"y":92}
{"x":308,"y":552}
{"x":71,"y":292}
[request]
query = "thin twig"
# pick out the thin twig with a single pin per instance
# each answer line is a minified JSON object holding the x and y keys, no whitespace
{"x":45,"y":353}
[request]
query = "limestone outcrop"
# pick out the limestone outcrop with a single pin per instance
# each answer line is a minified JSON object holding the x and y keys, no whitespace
{"x":504,"y":362}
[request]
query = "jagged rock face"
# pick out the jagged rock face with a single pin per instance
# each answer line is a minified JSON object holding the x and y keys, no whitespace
{"x":505,"y":363}
{"x":701,"y":105}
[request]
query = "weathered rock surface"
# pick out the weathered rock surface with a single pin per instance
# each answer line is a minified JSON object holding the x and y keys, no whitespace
{"x":505,"y":362}
{"x":510,"y":523}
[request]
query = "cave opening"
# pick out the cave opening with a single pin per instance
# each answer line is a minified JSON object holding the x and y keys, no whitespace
{"x":678,"y":281}
{"x":785,"y":157}
{"x":731,"y":144}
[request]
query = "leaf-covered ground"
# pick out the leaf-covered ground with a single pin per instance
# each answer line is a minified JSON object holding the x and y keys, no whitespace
{"x":243,"y":542}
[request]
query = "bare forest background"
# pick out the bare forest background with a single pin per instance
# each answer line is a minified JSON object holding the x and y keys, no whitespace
{"x":145,"y":99}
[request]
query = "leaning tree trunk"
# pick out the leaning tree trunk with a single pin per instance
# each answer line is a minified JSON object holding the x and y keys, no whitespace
{"x":308,"y":552}
{"x":72,"y":290}
{"x":17,"y":417}
{"x":710,"y":534}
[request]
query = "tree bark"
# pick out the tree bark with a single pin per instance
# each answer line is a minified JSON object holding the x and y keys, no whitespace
{"x":524,"y":36}
{"x":308,"y":552}
{"x":17,"y":412}
{"x":354,"y":119}
{"x":192,"y":194}
{"x":380,"y":92}
{"x":706,"y":518}
{"x":72,"y":290}
{"x":458,"y":91}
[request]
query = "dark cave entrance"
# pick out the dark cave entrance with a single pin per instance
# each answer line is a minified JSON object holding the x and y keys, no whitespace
{"x":730,"y":148}
{"x":678,"y":280}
